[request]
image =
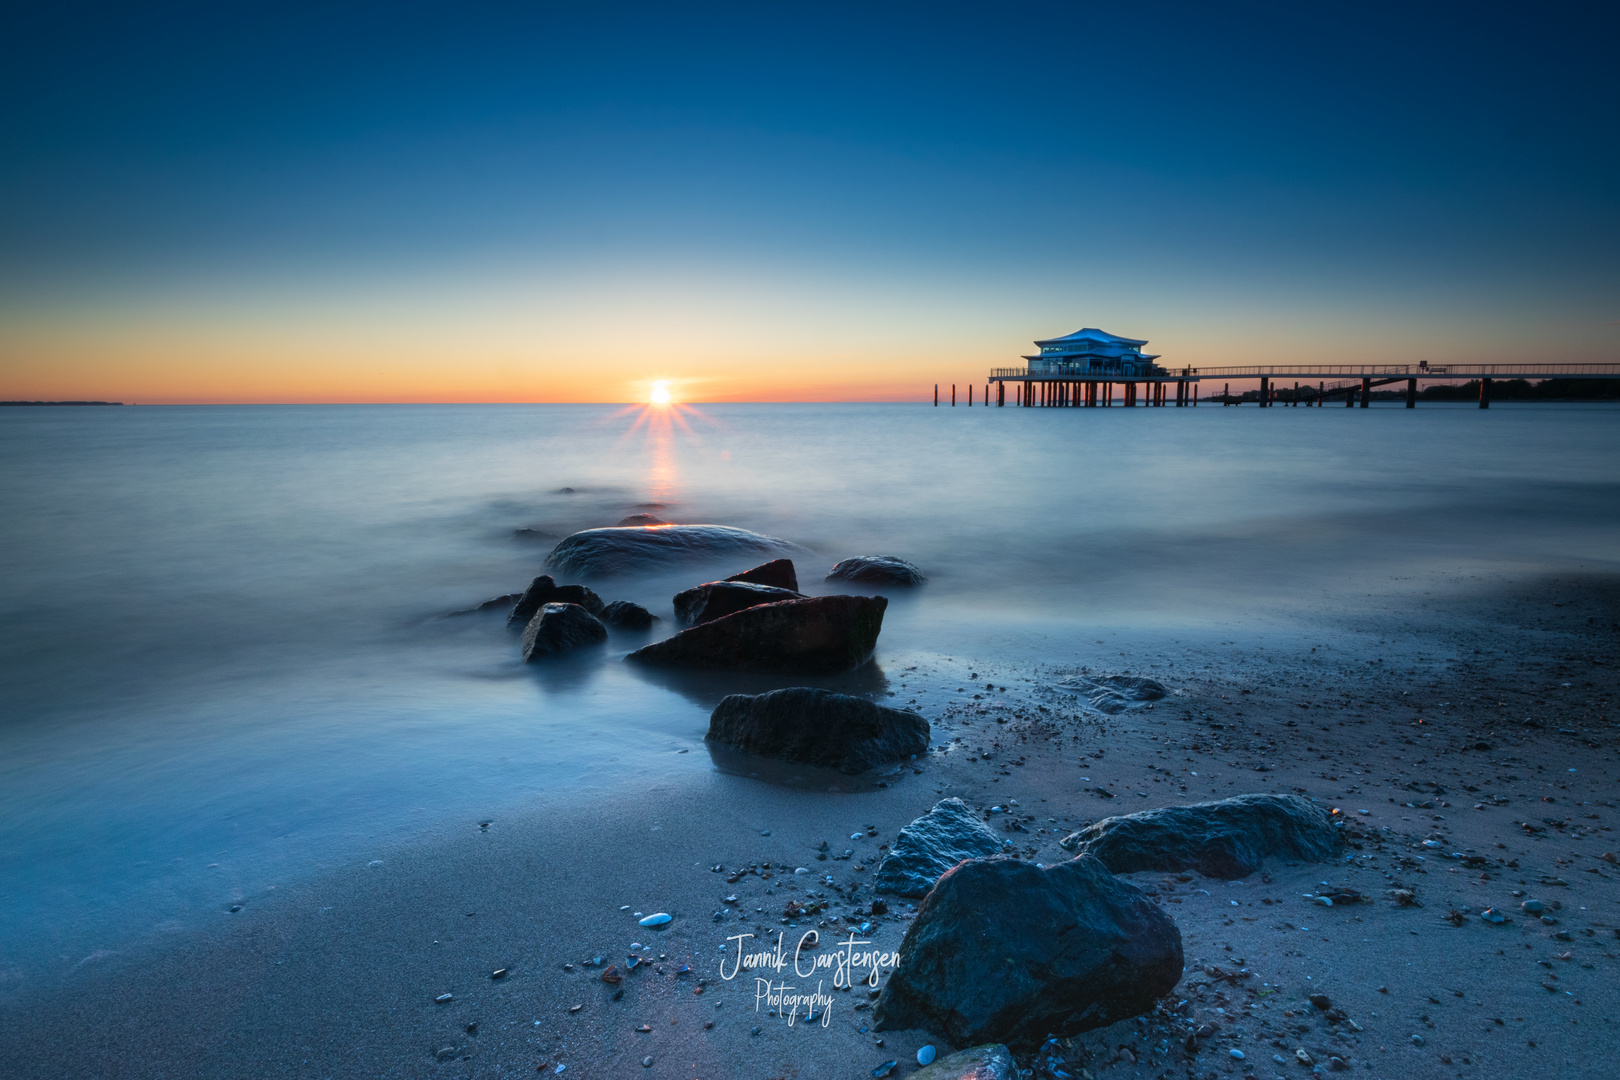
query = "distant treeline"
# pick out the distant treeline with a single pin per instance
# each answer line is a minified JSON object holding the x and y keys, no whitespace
{"x":61,"y":402}
{"x":1524,"y":390}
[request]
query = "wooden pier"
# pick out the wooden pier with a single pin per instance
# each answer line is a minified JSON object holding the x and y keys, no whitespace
{"x":1352,"y":382}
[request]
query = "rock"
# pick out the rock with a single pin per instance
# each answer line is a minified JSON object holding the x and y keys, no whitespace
{"x":925,"y":1055}
{"x":877,"y":570}
{"x":504,"y":600}
{"x":1113,"y":694}
{"x":637,"y":549}
{"x":558,"y":628}
{"x":443,"y":999}
{"x":1225,"y":839}
{"x":542,"y":591}
{"x":818,"y":727}
{"x":1071,"y":947}
{"x":816,"y":635}
{"x":778,"y":573}
{"x":623,"y":615}
{"x":717,"y":598}
{"x":991,"y":1061}
{"x":931,"y":845}
{"x":1321,"y":1001}
{"x":639,"y":519}
{"x":658,"y":919}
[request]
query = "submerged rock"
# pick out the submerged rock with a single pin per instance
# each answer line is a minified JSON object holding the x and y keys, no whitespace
{"x":558,"y":628}
{"x":717,"y":598}
{"x":639,"y":519}
{"x":623,"y":615}
{"x":818,"y":727}
{"x":1113,"y":694}
{"x":877,"y":570}
{"x":1226,"y":839}
{"x":816,"y":635}
{"x":542,"y":591}
{"x":992,"y":1061}
{"x":634,"y":549}
{"x":778,"y":573}
{"x":1004,"y":951}
{"x":931,"y":845}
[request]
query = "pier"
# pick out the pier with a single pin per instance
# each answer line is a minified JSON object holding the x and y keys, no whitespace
{"x":1087,"y":368}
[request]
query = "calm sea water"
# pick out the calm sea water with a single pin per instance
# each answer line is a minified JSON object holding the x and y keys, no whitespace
{"x":224,"y":662}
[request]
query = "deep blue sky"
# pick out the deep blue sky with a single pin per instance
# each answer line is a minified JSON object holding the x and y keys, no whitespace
{"x":1289,"y":169}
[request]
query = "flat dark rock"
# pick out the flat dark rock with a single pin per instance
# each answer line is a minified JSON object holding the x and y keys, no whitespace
{"x":1113,"y":694}
{"x":877,"y":570}
{"x":778,"y":573}
{"x":1003,"y":951}
{"x":816,"y":635}
{"x":931,"y":845}
{"x":558,"y":628}
{"x":991,"y":1061}
{"x":707,"y":602}
{"x":808,"y":726}
{"x":637,"y":549}
{"x":623,"y":615}
{"x":1226,"y":839}
{"x":640,"y":519}
{"x":542,"y":591}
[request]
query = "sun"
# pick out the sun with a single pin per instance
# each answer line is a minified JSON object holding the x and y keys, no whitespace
{"x":660,"y":393}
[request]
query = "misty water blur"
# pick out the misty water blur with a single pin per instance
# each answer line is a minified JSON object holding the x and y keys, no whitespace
{"x":225,"y":661}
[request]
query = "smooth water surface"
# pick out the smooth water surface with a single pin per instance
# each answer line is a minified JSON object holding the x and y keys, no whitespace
{"x":225,"y":660}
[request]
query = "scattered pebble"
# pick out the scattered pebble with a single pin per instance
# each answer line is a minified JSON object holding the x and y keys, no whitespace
{"x":1237,"y":1055}
{"x":658,"y":919}
{"x":925,"y":1056}
{"x":443,"y":999}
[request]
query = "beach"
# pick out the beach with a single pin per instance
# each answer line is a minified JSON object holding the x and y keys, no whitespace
{"x":361,"y":802}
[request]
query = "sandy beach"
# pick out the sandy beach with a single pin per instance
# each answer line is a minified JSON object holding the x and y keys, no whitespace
{"x":1484,"y":722}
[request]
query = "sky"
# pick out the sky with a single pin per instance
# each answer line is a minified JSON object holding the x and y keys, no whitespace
{"x":535,"y":202}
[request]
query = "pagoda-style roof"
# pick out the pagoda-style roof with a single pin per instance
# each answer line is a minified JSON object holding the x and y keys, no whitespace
{"x":1092,"y":334}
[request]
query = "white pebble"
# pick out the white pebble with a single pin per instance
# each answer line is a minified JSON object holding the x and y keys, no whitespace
{"x":657,"y":919}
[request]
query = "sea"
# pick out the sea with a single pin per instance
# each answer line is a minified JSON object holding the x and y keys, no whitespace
{"x":234,"y":652}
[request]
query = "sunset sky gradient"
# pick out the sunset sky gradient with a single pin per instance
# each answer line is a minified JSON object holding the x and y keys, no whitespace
{"x":433,"y":202}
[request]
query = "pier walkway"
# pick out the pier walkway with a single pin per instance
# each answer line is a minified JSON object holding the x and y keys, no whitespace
{"x":1082,"y":386}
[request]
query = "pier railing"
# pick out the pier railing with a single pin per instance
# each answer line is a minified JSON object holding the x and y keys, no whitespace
{"x":1419,"y":370}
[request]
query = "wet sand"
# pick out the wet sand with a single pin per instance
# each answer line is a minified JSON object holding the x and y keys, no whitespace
{"x":1486,"y":723}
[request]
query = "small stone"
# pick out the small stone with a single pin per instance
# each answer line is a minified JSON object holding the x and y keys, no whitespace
{"x":1237,"y":1055}
{"x":658,"y":919}
{"x":925,"y":1056}
{"x":1303,"y":1057}
{"x":1325,"y":901}
{"x":885,"y":1069}
{"x":500,"y":973}
{"x":1417,"y":1040}
{"x":442,"y":999}
{"x":575,"y":1008}
{"x":1533,"y":907}
{"x":1321,"y":1001}
{"x":646,"y":1063}
{"x":644,"y":1028}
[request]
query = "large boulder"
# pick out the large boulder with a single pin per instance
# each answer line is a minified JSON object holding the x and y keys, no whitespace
{"x":991,"y":1061}
{"x":877,"y":570}
{"x":623,"y":615}
{"x":778,"y":573}
{"x":557,"y":628}
{"x":931,"y":845}
{"x":707,"y":602}
{"x":818,"y":727}
{"x":1225,"y":839}
{"x":1004,"y":951}
{"x":638,"y":549}
{"x":816,"y":635}
{"x":542,"y":591}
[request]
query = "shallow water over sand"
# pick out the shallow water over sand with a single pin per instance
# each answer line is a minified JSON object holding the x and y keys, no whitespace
{"x":224,"y":661}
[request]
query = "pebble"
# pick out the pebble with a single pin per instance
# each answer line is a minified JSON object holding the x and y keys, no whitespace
{"x":657,"y":919}
{"x":1325,"y":901}
{"x":646,"y":1063}
{"x":1302,"y":1057}
{"x":885,"y":1069}
{"x":1237,"y":1055}
{"x":1534,"y":907}
{"x":1417,"y":1040}
{"x":498,"y":973}
{"x":442,"y":999}
{"x":1491,"y":915}
{"x":1321,"y":1001}
{"x":925,"y":1056}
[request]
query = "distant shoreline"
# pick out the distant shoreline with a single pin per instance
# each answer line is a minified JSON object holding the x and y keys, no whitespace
{"x":61,"y":403}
